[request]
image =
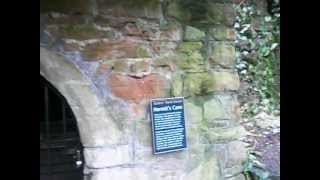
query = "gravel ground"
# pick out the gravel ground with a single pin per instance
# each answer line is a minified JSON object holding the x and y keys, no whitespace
{"x":264,"y":138}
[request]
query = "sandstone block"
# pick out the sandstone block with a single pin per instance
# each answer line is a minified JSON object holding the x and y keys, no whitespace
{"x":106,"y":157}
{"x":237,"y":153}
{"x":193,"y":34}
{"x":225,"y":80}
{"x":223,"y":54}
{"x":137,"y":89}
{"x":221,"y":33}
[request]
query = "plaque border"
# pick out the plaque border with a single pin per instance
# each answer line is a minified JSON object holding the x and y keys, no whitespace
{"x":153,"y":132}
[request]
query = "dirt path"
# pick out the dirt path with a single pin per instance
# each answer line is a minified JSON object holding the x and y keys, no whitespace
{"x":264,"y":138}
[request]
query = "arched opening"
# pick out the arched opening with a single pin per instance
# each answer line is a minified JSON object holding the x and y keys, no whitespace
{"x":61,"y":151}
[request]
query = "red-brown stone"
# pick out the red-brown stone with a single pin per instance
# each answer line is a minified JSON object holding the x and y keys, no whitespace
{"x":104,"y":68}
{"x":137,"y":89}
{"x":127,"y":48}
{"x":132,"y":29}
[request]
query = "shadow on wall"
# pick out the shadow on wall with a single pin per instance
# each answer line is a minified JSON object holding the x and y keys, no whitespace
{"x":197,"y":9}
{"x":65,"y":6}
{"x":84,"y":6}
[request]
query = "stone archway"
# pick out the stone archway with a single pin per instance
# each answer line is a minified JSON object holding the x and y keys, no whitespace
{"x":96,"y":128}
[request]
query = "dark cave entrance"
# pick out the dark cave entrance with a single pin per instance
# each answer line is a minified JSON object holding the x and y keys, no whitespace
{"x":61,"y":151}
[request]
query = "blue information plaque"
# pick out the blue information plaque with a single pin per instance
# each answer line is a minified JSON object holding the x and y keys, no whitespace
{"x":168,"y":125}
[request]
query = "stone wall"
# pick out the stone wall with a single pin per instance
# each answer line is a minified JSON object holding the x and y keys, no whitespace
{"x":131,"y":51}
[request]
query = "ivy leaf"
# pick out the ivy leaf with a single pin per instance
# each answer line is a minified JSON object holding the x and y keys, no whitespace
{"x":265,"y":51}
{"x":245,"y":28}
{"x":273,"y":46}
{"x":267,"y":18}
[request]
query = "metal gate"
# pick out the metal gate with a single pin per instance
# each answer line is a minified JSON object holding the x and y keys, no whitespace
{"x":60,"y":147}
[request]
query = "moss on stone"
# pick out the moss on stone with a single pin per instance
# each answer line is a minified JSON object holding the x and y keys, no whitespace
{"x":177,"y":85}
{"x":198,"y":84}
{"x":193,"y":34}
{"x":140,"y":67}
{"x":162,"y":62}
{"x":215,"y":14}
{"x":120,"y":66}
{"x":83,"y":31}
{"x":189,"y":47}
{"x":223,"y":54}
{"x":66,"y":6}
{"x":225,"y":80}
{"x":142,"y":52}
{"x":177,"y":11}
{"x":193,"y":62}
{"x":94,"y":52}
{"x":222,"y":33}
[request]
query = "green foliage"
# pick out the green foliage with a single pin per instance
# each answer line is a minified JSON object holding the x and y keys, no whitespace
{"x":258,"y":60}
{"x":253,"y":167}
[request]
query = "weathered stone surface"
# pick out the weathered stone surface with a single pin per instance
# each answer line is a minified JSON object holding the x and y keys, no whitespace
{"x":237,"y":153}
{"x":193,"y":112}
{"x":218,"y":13}
{"x":140,"y":68}
{"x":223,"y":54}
{"x":131,"y":8}
{"x":208,"y":170}
{"x":221,"y":33}
{"x":161,"y":48}
{"x":225,"y":134}
{"x":137,"y":67}
{"x":146,"y":29}
{"x":177,"y":11}
{"x":103,"y":68}
{"x":142,"y":54}
{"x":127,"y":48}
{"x":189,"y":47}
{"x":83,"y":32}
{"x":233,"y":171}
{"x":225,"y":80}
{"x":171,"y":31}
{"x":177,"y":85}
{"x":132,"y":29}
{"x":213,"y":109}
{"x":137,"y":89}
{"x":72,"y":47}
{"x":165,"y":62}
{"x":95,"y":124}
{"x":221,"y":110}
{"x":144,"y":136}
{"x":136,"y":172}
{"x":192,"y":62}
{"x":238,"y":177}
{"x":196,"y":154}
{"x":198,"y":84}
{"x":64,"y":18}
{"x":230,"y":104}
{"x":138,"y":111}
{"x":230,"y":15}
{"x":193,"y":34}
{"x":189,"y":57}
{"x":173,"y":161}
{"x":71,"y":6}
{"x":107,"y":156}
{"x":215,"y":14}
